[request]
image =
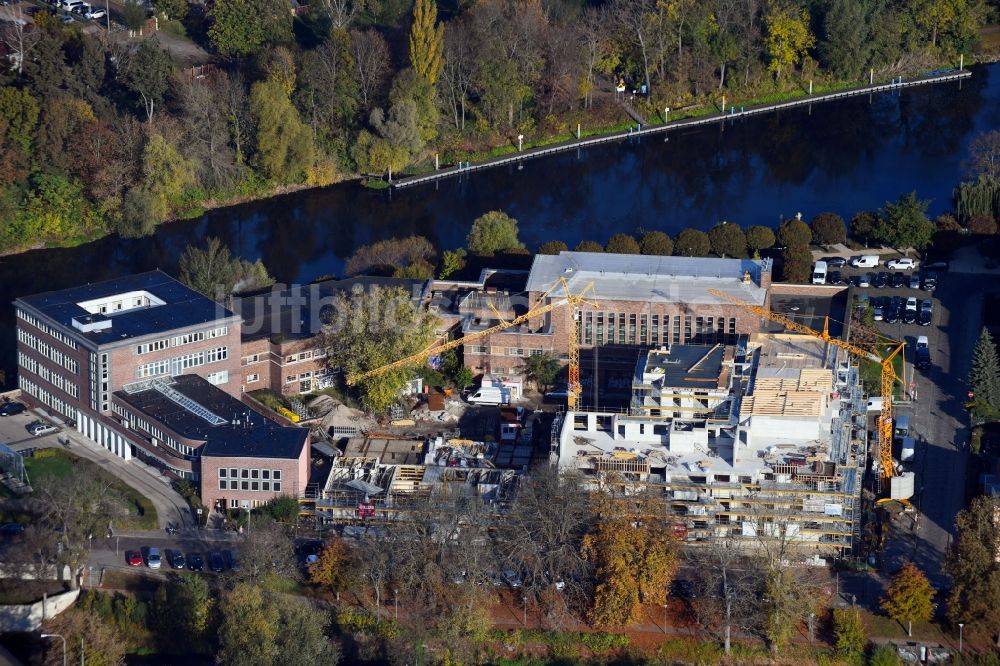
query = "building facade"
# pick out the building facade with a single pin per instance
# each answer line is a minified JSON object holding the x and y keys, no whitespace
{"x":632,"y":301}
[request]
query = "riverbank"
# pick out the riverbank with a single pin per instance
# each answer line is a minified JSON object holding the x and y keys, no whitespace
{"x":668,"y":122}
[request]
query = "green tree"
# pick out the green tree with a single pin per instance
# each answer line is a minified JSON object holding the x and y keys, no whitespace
{"x":452,"y":261}
{"x":864,"y":225}
{"x":787,"y":36}
{"x":984,"y":377}
{"x":19,"y":116}
{"x":55,"y":209}
{"x":187,"y":609}
{"x":426,"y":41}
{"x":588,"y":246}
{"x":249,"y":628}
{"x":828,"y":229}
{"x":622,"y":244}
{"x":974,"y":598}
{"x":796,"y":263}
{"x":236,"y":28}
{"x":172,"y":9}
{"x":373,"y":154}
{"x":846,"y":47}
{"x":543,"y":368}
{"x":409,"y":86}
{"x":884,"y":655}
{"x":133,"y":15}
{"x":760,"y":238}
{"x":728,"y":240}
{"x":493,"y":232}
{"x":849,"y":633}
{"x":910,"y":597}
{"x":903,"y":223}
{"x":656,"y":243}
{"x":692,"y":243}
{"x":794,"y":232}
{"x":284,"y":144}
{"x":166,"y":176}
{"x":214,"y":272}
{"x":302,"y":632}
{"x":552,"y":247}
{"x":401,"y":127}
{"x":370,"y":329}
{"x":147,"y":75}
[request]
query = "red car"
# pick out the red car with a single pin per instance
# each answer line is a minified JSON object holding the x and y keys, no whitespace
{"x":134,"y":558}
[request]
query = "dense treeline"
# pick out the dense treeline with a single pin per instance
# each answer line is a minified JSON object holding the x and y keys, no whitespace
{"x":105,"y":134}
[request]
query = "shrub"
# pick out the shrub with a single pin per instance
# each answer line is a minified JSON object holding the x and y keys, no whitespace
{"x":603,"y":642}
{"x":552,"y":247}
{"x":794,"y":232}
{"x":982,"y":224}
{"x":656,"y":243}
{"x":692,"y":243}
{"x":622,"y":244}
{"x":588,"y":246}
{"x":728,"y":240}
{"x":828,"y":229}
{"x":760,"y":238}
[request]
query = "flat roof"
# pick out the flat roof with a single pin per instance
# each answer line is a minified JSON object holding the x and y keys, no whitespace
{"x":243,"y":432}
{"x":182,"y":307}
{"x":687,"y":366}
{"x":647,"y":278}
{"x":298,"y":311}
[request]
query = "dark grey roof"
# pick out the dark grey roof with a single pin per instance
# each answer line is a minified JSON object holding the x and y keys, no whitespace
{"x":648,"y":278}
{"x":691,"y":366}
{"x":245,"y":433}
{"x":297,"y":311}
{"x":183,"y":307}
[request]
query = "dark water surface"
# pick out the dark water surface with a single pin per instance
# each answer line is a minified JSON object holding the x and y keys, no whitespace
{"x":842,"y":156}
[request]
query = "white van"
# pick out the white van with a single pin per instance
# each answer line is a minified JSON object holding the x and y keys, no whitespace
{"x":865,"y":261}
{"x":490,"y":395}
{"x":819,"y":273}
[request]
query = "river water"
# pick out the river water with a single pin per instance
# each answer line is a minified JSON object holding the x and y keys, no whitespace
{"x":843,"y":156}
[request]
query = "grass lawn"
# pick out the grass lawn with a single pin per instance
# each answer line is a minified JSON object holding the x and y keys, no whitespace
{"x":60,"y":464}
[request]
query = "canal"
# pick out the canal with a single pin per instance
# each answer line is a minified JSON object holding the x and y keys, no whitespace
{"x":842,"y":156}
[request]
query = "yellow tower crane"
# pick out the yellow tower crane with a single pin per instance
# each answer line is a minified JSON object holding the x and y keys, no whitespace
{"x":889,"y":376}
{"x":439,"y":347}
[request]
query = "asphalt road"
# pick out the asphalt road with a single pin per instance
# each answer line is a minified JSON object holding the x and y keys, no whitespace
{"x":171,"y":508}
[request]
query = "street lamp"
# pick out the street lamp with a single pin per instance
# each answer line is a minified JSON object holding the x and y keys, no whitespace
{"x":60,"y":637}
{"x":395,"y":601}
{"x":960,"y":626}
{"x":520,"y":141}
{"x":525,"y":600}
{"x":664,"y":617}
{"x":812,"y":617}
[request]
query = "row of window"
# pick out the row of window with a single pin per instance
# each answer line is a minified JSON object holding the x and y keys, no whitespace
{"x":140,"y":424}
{"x":46,"y":398}
{"x":248,"y":473}
{"x":177,"y":365}
{"x":48,"y":351}
{"x":261,"y":486}
{"x":46,"y":373}
{"x":217,"y":378}
{"x":645,"y":329}
{"x":253,"y":377}
{"x":293,"y":378}
{"x":48,"y":330}
{"x":292,"y":358}
{"x":179,"y":340}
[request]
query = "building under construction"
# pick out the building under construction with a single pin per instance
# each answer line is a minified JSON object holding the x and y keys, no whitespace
{"x":765,"y":439}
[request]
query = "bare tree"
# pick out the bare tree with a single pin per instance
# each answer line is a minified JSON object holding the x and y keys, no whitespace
{"x":18,"y":35}
{"x":593,"y":38}
{"x":33,"y":553}
{"x":376,"y":564}
{"x":207,"y":129}
{"x":342,"y":12}
{"x":729,"y":587}
{"x":266,"y":550}
{"x":237,"y":105}
{"x":371,"y":62}
{"x":564,"y":67}
{"x":632,"y":17}
{"x":984,"y":155}
{"x":456,"y":76}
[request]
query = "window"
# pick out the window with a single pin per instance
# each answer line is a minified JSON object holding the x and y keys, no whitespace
{"x":535,"y":352}
{"x":291,"y":378}
{"x":265,"y":474}
{"x":588,"y":326}
{"x":687,"y":328}
{"x":644,"y":329}
{"x":655,"y":340}
{"x":244,"y":474}
{"x":217,"y":378}
{"x":254,"y":485}
{"x":245,"y":485}
{"x":254,"y":473}
{"x":234,"y":504}
{"x":253,"y":358}
{"x":631,"y":329}
{"x":276,"y":487}
{"x":600,"y":328}
{"x":232,"y":472}
{"x":611,"y":328}
{"x":265,"y":485}
{"x":223,"y":484}
{"x":253,"y":377}
{"x":223,"y":472}
{"x":480,"y":349}
{"x":621,"y":328}
{"x":277,"y":474}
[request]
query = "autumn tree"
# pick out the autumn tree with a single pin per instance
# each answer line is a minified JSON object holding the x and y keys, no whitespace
{"x":828,"y":229}
{"x":552,"y":247}
{"x":284,"y":144}
{"x":166,"y":176}
{"x":242,"y":27}
{"x":367,"y":330}
{"x":332,"y":569}
{"x":390,"y":254}
{"x":760,"y":238}
{"x":974,"y":598}
{"x":622,"y":244}
{"x":588,"y":246}
{"x":656,"y":243}
{"x":493,"y":232}
{"x":796,"y":264}
{"x":452,"y":261}
{"x":248,"y":630}
{"x":909,"y":597}
{"x":692,"y":243}
{"x":794,"y":233}
{"x":185,"y":610}
{"x":787,"y":36}
{"x":849,"y":633}
{"x":426,"y":41}
{"x":172,"y":9}
{"x":983,"y":225}
{"x":728,"y":240}
{"x":864,"y":225}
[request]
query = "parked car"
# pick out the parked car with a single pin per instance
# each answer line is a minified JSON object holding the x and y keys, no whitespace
{"x":195,"y":561}
{"x":133,"y":558}
{"x":930,"y":281}
{"x":153,"y":558}
{"x":11,"y":529}
{"x":216,"y":563}
{"x":95,"y":13}
{"x":511,"y":578}
{"x":81,"y":9}
{"x":881,"y":280}
{"x":923,"y":353}
{"x":865,"y":261}
{"x":38,"y":428}
{"x":176,"y":559}
{"x":878,"y":314}
{"x":12,"y":408}
{"x":911,"y":303}
{"x":835,"y":277}
{"x":891,"y":314}
{"x":915,"y":281}
{"x":67,"y":19}
{"x":901,"y":264}
{"x":865,"y":280}
{"x":899,"y":280}
{"x":926,"y":318}
{"x":927,"y":304}
{"x":835,"y":262}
